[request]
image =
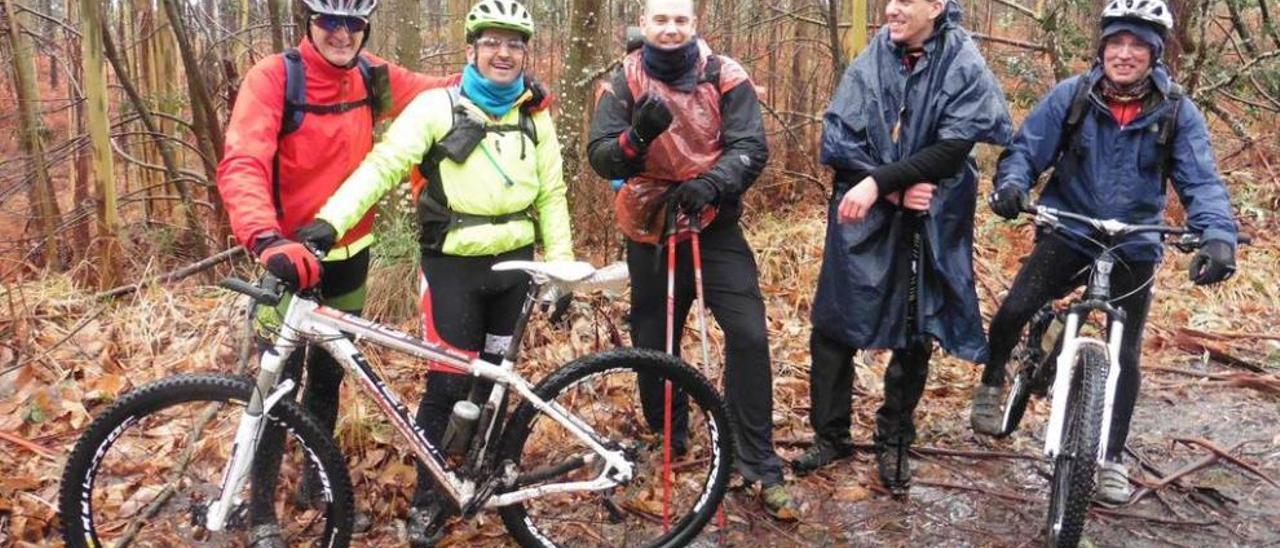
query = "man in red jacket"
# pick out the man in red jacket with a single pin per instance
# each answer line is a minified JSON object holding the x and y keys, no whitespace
{"x":277,"y":172}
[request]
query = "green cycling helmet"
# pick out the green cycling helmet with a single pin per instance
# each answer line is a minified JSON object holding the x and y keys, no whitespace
{"x":498,"y":14}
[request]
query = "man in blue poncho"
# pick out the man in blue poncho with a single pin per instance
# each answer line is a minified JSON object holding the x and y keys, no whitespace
{"x":897,"y":272}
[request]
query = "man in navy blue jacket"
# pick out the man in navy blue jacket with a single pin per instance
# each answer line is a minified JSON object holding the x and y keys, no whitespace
{"x":1113,"y":162}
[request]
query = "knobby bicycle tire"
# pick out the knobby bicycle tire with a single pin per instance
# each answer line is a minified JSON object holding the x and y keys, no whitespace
{"x":84,"y":520}
{"x":601,"y":385}
{"x":1071,"y":489}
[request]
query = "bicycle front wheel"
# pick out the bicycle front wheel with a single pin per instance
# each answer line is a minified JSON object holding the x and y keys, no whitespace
{"x":1072,"y":486}
{"x":601,"y":392}
{"x":146,"y":471}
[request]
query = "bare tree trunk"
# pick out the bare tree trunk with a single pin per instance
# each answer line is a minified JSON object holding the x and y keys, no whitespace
{"x":79,"y":172}
{"x":277,"y":32}
{"x":204,"y":117}
{"x":187,"y":207}
{"x":95,"y":88}
{"x":41,"y":194}
{"x":576,"y":89}
{"x":407,"y":19}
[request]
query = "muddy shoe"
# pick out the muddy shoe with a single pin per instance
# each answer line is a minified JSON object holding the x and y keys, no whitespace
{"x":422,"y":529}
{"x":820,"y":454}
{"x":1113,"y":483}
{"x":894,"y":468}
{"x":778,"y":503}
{"x":986,"y":415}
{"x":266,"y":535}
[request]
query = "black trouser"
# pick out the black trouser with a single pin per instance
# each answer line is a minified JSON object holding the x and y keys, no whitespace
{"x":731,"y":284}
{"x":470,"y":307}
{"x":831,"y":391}
{"x":1053,"y":270}
{"x":342,"y":285}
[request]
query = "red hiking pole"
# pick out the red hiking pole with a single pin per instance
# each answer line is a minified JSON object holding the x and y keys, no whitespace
{"x":695,"y":241}
{"x":670,"y":230}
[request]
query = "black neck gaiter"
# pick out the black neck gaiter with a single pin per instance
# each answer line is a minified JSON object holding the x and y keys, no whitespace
{"x":674,"y":67}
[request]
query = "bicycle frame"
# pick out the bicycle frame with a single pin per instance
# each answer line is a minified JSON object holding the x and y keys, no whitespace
{"x":306,"y":321}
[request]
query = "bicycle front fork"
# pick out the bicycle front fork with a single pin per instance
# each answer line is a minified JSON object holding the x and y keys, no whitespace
{"x":248,"y":434}
{"x":1064,"y":376}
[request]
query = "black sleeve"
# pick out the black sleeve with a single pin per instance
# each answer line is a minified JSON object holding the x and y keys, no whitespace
{"x":745,"y":151}
{"x":932,"y":163}
{"x":612,"y":118}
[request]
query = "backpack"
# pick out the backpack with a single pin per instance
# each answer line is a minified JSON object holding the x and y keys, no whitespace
{"x":376,"y":84}
{"x":435,"y":218}
{"x":377,"y":97}
{"x":1069,"y":143}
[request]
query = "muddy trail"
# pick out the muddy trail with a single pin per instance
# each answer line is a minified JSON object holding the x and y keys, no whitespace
{"x":1211,"y":377}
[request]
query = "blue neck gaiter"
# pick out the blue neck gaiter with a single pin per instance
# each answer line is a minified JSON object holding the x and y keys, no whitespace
{"x":494,"y":99}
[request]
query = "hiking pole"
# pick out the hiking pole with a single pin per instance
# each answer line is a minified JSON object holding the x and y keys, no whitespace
{"x":695,"y":233}
{"x":695,"y":241}
{"x":670,"y":230}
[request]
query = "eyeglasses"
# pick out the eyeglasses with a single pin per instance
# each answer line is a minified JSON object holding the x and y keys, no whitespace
{"x":494,"y":44}
{"x":331,"y":23}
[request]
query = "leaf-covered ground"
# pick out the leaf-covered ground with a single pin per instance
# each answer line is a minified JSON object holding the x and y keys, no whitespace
{"x":1211,"y":375}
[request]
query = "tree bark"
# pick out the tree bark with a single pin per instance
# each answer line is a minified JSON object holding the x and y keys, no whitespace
{"x":277,"y":31}
{"x":407,"y":19}
{"x":95,"y":90}
{"x":41,"y":194}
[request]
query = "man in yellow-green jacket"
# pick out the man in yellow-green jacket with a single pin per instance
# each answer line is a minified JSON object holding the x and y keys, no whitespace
{"x":493,"y":166}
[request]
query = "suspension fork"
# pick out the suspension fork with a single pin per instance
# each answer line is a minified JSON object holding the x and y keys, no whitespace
{"x":267,"y":392}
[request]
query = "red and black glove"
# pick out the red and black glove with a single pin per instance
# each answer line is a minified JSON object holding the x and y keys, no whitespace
{"x":290,"y":261}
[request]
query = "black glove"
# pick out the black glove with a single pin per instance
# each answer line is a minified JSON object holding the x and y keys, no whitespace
{"x":1215,"y":261}
{"x":1009,"y":201}
{"x":650,"y":119}
{"x":318,"y":234}
{"x":693,"y":195}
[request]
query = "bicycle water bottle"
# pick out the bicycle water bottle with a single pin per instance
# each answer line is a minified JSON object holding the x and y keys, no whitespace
{"x":462,"y":422}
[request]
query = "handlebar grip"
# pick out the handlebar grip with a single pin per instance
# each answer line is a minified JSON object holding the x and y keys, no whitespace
{"x":259,"y":294}
{"x":1244,"y":239}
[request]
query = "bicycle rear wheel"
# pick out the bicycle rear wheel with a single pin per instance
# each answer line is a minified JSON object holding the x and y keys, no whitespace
{"x":1032,"y":370}
{"x":146,"y":471}
{"x":601,"y":392}
{"x":1071,"y":490}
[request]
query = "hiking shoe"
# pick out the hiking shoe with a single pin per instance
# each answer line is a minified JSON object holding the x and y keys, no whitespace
{"x":266,"y":535}
{"x":778,"y":502}
{"x":820,"y":454}
{"x":425,"y":525}
{"x":1113,"y":483}
{"x":894,"y":467}
{"x":986,"y":415}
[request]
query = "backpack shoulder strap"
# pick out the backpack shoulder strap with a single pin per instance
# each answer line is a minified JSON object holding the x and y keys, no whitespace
{"x":1168,"y":129}
{"x":295,"y":91}
{"x":377,"y":85}
{"x":711,"y":72}
{"x":1075,"y":116}
{"x":526,"y":123}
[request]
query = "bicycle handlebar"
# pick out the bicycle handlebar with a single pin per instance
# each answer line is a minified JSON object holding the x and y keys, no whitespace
{"x":1189,"y":241}
{"x":268,"y":290}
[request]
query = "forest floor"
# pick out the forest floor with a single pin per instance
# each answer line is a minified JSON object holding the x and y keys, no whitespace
{"x":1211,"y":374}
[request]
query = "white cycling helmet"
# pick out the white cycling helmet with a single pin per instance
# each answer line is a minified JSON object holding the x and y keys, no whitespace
{"x":1154,"y":12}
{"x":350,"y":8}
